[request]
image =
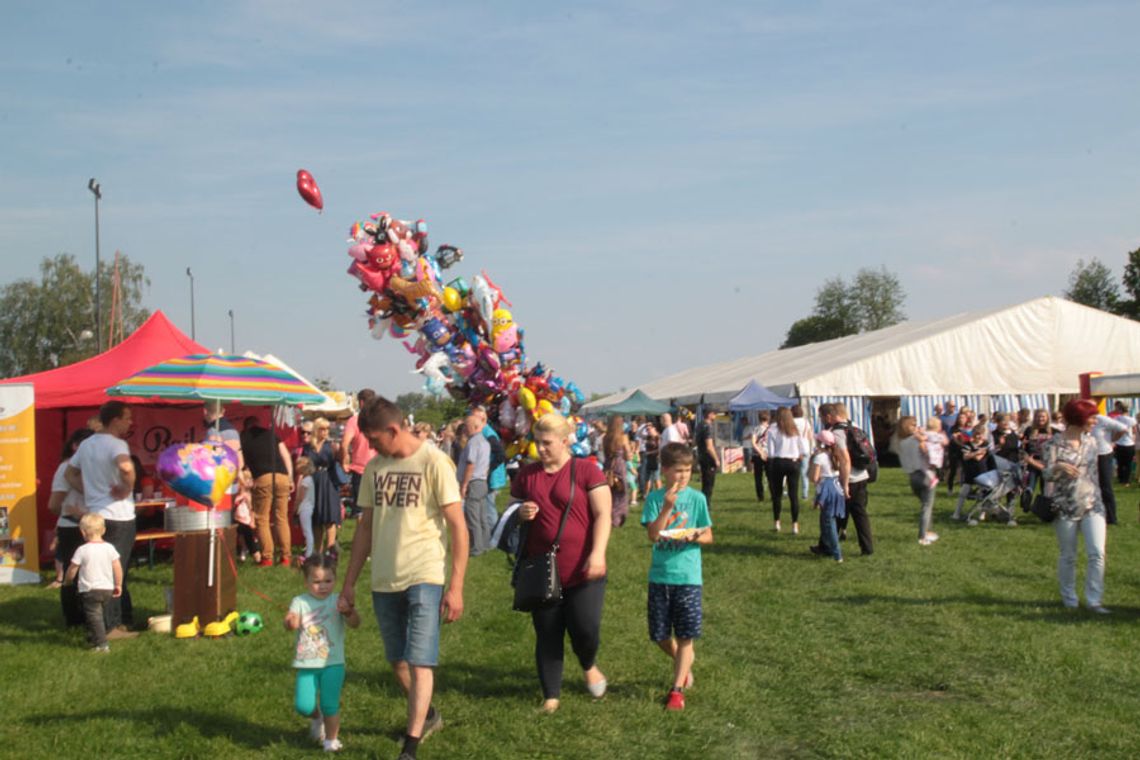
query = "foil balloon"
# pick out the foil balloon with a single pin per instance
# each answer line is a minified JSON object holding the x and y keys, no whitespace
{"x":307,"y":187}
{"x":200,"y":472}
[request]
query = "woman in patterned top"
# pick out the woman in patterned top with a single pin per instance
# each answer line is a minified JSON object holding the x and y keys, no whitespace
{"x":1071,"y":469}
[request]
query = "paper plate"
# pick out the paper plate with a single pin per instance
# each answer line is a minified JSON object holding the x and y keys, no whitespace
{"x":679,"y":534}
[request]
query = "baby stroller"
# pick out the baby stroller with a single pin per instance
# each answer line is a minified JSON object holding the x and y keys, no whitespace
{"x":996,"y":493}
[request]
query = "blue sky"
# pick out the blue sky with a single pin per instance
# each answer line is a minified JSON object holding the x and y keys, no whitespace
{"x":654,"y":185}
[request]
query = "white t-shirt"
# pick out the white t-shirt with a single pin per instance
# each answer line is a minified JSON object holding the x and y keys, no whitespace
{"x":823,"y":460}
{"x":96,"y":570}
{"x":1129,"y":438}
{"x":1103,"y":431}
{"x":72,"y":500}
{"x":95,"y":458}
{"x":671,"y":434}
{"x":309,"y":500}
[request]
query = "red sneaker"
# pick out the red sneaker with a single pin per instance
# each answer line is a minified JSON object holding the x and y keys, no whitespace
{"x":265,"y":563}
{"x":676,"y":700}
{"x":286,"y":561}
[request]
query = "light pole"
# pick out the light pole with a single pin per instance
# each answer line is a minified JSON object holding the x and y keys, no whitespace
{"x":233,"y":350}
{"x":93,"y":186}
{"x":190,"y":274}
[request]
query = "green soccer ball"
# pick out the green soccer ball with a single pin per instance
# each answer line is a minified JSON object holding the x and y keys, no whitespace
{"x":248,"y":623}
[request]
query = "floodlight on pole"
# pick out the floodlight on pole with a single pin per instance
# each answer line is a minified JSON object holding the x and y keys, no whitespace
{"x":97,"y":191}
{"x":193,"y":335}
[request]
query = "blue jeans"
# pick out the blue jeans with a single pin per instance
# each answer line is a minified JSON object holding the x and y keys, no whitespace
{"x":409,"y":623}
{"x":805,"y":462}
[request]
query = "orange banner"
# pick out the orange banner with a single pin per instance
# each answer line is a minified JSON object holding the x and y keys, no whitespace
{"x":19,"y":549}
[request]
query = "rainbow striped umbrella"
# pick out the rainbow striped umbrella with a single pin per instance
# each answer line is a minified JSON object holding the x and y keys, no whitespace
{"x":217,"y":376}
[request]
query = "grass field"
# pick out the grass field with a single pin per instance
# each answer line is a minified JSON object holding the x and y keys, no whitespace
{"x":956,"y":650}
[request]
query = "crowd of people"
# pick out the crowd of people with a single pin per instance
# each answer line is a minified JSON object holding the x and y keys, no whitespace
{"x":422,"y":496}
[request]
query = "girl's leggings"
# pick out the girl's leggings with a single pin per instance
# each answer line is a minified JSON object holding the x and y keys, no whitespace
{"x":326,"y":681}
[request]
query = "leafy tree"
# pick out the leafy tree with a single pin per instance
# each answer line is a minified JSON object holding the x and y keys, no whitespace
{"x":51,"y":322}
{"x":1093,"y":284}
{"x":877,"y":299}
{"x":835,"y":305}
{"x":814,"y":329}
{"x":1130,"y":307}
{"x":427,"y":408}
{"x":872,"y":301}
{"x":324,"y":383}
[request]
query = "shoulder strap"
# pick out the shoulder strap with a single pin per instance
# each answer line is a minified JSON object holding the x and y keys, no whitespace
{"x":569,"y":505}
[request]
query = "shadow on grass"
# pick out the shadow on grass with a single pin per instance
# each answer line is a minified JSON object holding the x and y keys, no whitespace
{"x":1047,"y":610}
{"x":36,"y":617}
{"x":159,"y":722}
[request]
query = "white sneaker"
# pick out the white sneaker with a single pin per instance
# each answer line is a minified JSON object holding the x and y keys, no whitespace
{"x":317,"y":729}
{"x":924,"y":542}
{"x":931,"y":537}
{"x":1099,"y":610}
{"x":333,"y":745}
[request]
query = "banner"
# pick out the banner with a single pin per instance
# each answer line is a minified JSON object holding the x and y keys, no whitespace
{"x":19,"y":552}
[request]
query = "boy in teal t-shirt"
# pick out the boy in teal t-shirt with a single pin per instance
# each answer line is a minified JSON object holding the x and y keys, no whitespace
{"x":677,"y":519}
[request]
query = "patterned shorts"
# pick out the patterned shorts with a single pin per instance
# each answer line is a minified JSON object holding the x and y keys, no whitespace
{"x":674,"y":610}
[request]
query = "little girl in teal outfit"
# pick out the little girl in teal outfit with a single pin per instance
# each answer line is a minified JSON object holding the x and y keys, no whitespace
{"x":319,"y":621}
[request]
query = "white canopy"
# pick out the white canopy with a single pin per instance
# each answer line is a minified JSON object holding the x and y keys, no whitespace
{"x":1040,"y":346}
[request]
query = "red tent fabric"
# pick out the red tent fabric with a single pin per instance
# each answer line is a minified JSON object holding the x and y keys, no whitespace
{"x":67,"y":396}
{"x":85,"y":383}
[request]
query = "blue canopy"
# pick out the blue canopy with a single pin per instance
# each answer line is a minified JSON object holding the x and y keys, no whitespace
{"x":756,"y":396}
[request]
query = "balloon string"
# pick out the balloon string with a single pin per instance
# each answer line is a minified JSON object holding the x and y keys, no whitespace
{"x":246,"y":586}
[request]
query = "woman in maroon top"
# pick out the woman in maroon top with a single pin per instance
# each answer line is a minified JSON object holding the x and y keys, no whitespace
{"x":544,"y":487}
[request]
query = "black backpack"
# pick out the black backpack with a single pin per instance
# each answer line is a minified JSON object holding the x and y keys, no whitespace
{"x":498,"y":454}
{"x":859,"y":448}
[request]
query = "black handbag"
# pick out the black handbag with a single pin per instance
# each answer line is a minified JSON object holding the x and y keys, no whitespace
{"x":1044,"y":508}
{"x":535,"y":579}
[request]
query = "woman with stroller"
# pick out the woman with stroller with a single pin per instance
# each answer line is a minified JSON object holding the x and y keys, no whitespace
{"x":1071,"y":466}
{"x":976,"y":459}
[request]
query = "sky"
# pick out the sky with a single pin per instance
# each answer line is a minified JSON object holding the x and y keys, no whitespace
{"x":653,"y":185}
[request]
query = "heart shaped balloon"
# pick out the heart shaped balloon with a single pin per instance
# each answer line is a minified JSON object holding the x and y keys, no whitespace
{"x":307,"y":187}
{"x":200,"y":472}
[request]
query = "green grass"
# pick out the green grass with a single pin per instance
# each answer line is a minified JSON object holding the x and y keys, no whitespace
{"x":957,"y":650}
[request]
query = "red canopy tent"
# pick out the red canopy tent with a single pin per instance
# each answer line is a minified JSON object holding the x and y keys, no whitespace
{"x":67,"y":397}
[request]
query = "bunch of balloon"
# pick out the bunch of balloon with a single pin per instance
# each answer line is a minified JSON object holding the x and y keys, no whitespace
{"x":463,"y":335}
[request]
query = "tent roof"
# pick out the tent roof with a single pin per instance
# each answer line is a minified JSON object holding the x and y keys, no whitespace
{"x":756,"y":396}
{"x":636,"y":403}
{"x":85,"y":383}
{"x":1040,"y":346}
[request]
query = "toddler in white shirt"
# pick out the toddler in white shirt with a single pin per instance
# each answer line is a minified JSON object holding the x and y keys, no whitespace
{"x":97,"y":568}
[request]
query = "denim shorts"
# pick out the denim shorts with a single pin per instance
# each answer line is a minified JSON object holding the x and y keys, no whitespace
{"x":409,"y":623}
{"x":674,"y":610}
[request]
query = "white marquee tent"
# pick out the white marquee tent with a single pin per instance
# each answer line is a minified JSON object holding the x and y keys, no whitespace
{"x":997,"y":359}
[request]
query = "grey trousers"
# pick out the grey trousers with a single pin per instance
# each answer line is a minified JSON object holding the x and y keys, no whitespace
{"x":475,"y":514}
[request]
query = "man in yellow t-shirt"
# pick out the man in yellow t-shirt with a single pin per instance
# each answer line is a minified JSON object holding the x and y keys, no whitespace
{"x":408,"y":494}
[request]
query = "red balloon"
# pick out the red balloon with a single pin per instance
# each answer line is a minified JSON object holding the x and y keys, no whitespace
{"x":307,"y":187}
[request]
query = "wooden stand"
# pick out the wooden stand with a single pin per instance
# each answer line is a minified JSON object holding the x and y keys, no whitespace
{"x":192,"y":597}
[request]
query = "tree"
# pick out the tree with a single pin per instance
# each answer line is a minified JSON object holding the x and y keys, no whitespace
{"x":427,"y":408}
{"x":877,"y":299}
{"x":52,"y":322}
{"x":873,"y":301}
{"x":814,"y":329}
{"x":1130,"y":307}
{"x":1093,"y":284}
